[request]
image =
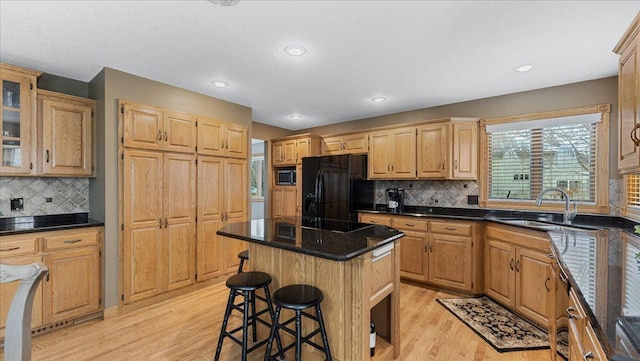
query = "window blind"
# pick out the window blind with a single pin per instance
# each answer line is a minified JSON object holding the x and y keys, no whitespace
{"x":633,"y":190}
{"x":630,"y":306}
{"x":523,"y":162}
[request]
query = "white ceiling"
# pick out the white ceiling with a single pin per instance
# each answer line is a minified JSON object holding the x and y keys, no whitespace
{"x":418,"y":54}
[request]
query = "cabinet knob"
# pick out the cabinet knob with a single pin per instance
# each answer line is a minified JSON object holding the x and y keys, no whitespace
{"x":455,"y":164}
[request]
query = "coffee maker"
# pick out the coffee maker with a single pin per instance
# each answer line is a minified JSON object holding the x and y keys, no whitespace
{"x":395,"y":200}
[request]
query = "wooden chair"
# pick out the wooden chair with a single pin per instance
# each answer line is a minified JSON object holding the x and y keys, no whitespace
{"x":17,"y":339}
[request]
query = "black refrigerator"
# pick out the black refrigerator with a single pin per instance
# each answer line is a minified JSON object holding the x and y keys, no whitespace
{"x":336,"y":186}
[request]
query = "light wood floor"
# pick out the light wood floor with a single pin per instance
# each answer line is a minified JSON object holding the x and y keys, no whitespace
{"x":187,"y":328}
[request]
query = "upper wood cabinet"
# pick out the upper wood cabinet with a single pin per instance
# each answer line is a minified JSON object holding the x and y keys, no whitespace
{"x":65,"y":137}
{"x":392,"y":154}
{"x":147,"y":127}
{"x":221,"y":139}
{"x":18,"y":120}
{"x":291,"y":150}
{"x":448,"y":150}
{"x":629,"y":99}
{"x":346,"y":144}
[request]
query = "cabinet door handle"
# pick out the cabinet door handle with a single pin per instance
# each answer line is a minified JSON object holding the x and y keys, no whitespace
{"x":546,"y":284}
{"x":551,"y":256}
{"x":72,"y":241}
{"x":570,"y":313}
{"x":9,"y":249}
{"x":393,"y":167}
{"x":518,"y":266}
{"x":159,"y":134}
{"x":160,"y":221}
{"x":409,"y":224}
{"x":450,"y":228}
{"x":426,"y":249}
{"x":511,"y":264}
{"x":47,"y":156}
{"x":166,"y":136}
{"x":587,"y":355}
{"x":431,"y":247}
{"x":634,"y":135}
{"x":373,"y":221}
{"x":165,"y":222}
{"x":442,"y":165}
{"x":388,"y":167}
{"x":455,"y":164}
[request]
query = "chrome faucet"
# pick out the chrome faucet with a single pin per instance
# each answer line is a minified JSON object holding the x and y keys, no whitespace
{"x":568,"y":214}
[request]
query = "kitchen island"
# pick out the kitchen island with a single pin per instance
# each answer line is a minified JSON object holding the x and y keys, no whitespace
{"x":355,"y":265}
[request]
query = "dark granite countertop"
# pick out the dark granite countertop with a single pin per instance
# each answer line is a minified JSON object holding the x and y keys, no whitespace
{"x":30,"y":224}
{"x":325,"y":238}
{"x":599,"y":264}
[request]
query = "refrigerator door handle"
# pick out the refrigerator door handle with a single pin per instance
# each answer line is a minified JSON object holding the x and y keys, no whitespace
{"x":320,"y":195}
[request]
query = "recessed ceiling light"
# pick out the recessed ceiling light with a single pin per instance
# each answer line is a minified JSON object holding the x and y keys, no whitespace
{"x":378,"y":99}
{"x":523,"y":68}
{"x":295,"y":117}
{"x":295,"y":50}
{"x":220,"y":84}
{"x":224,"y":2}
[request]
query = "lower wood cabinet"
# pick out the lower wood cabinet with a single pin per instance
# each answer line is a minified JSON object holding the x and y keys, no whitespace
{"x":517,"y":276}
{"x":284,"y":199}
{"x":72,"y":289}
{"x":439,"y":252}
{"x":583,"y":342}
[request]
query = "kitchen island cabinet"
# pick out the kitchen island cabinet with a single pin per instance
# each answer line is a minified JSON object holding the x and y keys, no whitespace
{"x":355,"y":265}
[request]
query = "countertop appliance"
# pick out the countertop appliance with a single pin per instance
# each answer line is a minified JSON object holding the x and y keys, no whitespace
{"x":286,"y":177}
{"x":336,"y":186}
{"x":395,"y":200}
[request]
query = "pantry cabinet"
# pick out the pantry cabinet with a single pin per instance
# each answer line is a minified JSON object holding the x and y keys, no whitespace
{"x":392,"y":154}
{"x":221,"y":139}
{"x":221,"y":183}
{"x":152,"y":128}
{"x":18,"y":125}
{"x":159,"y":223}
{"x":518,"y":271}
{"x":629,"y":99}
{"x":73,"y":287}
{"x":65,"y":138}
{"x":357,"y":143}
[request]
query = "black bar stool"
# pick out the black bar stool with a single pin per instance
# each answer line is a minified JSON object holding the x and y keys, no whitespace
{"x":245,"y":284}
{"x":244,"y":256}
{"x":297,"y":298}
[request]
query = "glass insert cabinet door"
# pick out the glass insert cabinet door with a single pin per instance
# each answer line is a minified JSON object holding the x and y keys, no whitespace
{"x":17,"y":123}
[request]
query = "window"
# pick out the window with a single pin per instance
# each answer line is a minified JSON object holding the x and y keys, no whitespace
{"x":563,"y":149}
{"x":631,"y":197}
{"x":257,"y":176}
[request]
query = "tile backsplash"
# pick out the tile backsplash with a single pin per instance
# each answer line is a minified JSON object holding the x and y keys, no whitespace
{"x":68,"y":195}
{"x":453,"y":194}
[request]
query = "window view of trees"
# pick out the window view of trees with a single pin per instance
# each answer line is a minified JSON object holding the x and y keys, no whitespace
{"x":257,"y":169}
{"x":524,"y":162}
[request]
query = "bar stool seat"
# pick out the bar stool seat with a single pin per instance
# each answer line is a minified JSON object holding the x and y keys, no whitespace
{"x":298,"y":298}
{"x":245,"y":284}
{"x":244,"y":256}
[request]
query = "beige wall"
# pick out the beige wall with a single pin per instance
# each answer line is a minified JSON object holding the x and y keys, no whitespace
{"x":107,"y":87}
{"x":599,"y":91}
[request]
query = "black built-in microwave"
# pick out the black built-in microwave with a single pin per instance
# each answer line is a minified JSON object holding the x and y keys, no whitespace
{"x":286,"y":176}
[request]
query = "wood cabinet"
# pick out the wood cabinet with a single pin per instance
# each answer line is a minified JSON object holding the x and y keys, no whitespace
{"x":284,"y":201}
{"x":65,"y":136}
{"x":392,"y":154}
{"x":152,"y":128}
{"x":290,"y":150}
{"x":159,"y":223}
{"x":629,"y":99}
{"x":414,"y":253}
{"x":72,"y":289}
{"x":221,"y":186}
{"x":518,"y":272}
{"x":448,"y":150}
{"x":357,"y":143}
{"x":18,"y":125}
{"x":221,"y":139}
{"x":583,"y":342}
{"x":443,"y":252}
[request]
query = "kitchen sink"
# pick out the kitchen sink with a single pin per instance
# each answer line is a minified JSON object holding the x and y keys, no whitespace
{"x":543,"y":226}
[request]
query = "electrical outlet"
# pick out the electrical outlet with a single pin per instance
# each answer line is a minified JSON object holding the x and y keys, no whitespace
{"x":17,"y":204}
{"x":472,"y":200}
{"x":49,"y":199}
